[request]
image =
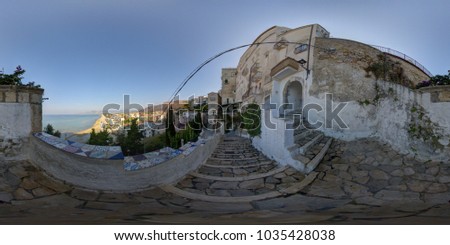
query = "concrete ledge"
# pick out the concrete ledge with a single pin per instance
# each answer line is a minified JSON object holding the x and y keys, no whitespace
{"x":109,"y":175}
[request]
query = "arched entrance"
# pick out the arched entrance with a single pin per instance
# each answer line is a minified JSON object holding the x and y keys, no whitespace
{"x":293,"y":98}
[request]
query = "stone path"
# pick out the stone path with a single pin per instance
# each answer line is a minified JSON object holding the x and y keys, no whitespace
{"x":361,"y":182}
{"x":237,"y":172}
{"x":310,"y":146}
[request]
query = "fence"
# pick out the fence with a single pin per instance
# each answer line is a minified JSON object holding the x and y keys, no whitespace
{"x":404,"y":57}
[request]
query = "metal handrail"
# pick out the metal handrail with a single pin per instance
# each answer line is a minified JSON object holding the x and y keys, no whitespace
{"x":404,"y":57}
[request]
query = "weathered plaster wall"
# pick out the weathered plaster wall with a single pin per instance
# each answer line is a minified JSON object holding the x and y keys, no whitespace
{"x":376,"y":108}
{"x":109,"y":175}
{"x":20,"y":114}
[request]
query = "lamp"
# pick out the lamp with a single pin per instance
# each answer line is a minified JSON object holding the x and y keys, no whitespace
{"x":302,"y":63}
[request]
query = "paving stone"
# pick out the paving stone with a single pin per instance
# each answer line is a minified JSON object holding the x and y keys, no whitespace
{"x":53,"y":184}
{"x":272,"y":180}
{"x":437,"y":198}
{"x":279,"y":175}
{"x":21,"y":194}
{"x":362,"y":180}
{"x":378,"y":175}
{"x":60,"y":201}
{"x":29,"y":184}
{"x":18,"y":171}
{"x":5,"y":197}
{"x":211,"y":207}
{"x":11,"y":179}
{"x":417,"y":185}
{"x":240,"y":172}
{"x":396,"y":181}
{"x":42,"y":191}
{"x":326,"y":189}
{"x":89,"y":195}
{"x":398,"y":196}
{"x":343,"y":167}
{"x":361,"y":173}
{"x":201,"y":186}
{"x":377,"y":185}
{"x":253,"y":184}
{"x":433,"y":170}
{"x":402,"y":187}
{"x":217,"y":192}
{"x":397,"y":173}
{"x":241,"y":193}
{"x":115,"y":197}
{"x":186,"y":183}
{"x":156,"y":193}
{"x":369,"y":200}
{"x":345,"y":175}
{"x":109,"y":206}
{"x":424,"y":177}
{"x":224,"y":185}
{"x":270,"y":186}
{"x":408,"y":171}
{"x":288,"y":179}
{"x":444,"y":179}
{"x":437,"y":188}
{"x":356,"y":190}
{"x":332,"y":178}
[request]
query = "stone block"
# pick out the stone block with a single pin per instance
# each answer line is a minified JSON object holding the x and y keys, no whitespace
{"x":10,"y":97}
{"x":23,"y":97}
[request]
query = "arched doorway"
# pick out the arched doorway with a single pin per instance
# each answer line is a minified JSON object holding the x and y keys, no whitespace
{"x":293,"y":98}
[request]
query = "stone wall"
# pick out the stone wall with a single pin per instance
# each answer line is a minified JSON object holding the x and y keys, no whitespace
{"x":110,"y":175}
{"x":21,"y":114}
{"x":412,"y":121}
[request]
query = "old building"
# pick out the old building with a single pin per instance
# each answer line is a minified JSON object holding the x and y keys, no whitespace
{"x":303,"y":73}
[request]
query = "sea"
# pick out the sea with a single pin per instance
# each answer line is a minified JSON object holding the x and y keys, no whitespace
{"x":70,"y":123}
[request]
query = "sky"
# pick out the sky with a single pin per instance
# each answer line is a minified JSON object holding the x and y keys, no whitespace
{"x":90,"y":53}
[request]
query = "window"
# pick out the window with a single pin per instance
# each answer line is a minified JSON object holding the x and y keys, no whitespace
{"x":301,"y":48}
{"x":226,"y":81}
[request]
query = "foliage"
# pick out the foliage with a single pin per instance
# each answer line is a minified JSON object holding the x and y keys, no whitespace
{"x":100,"y":138}
{"x":170,"y":130}
{"x":15,"y":79}
{"x":131,"y":143}
{"x":154,"y":143}
{"x":50,"y":130}
{"x":388,"y":70}
{"x":252,"y":120}
{"x":435,"y":81}
{"x":197,"y":123}
{"x":421,"y":127}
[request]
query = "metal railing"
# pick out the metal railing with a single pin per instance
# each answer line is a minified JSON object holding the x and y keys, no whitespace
{"x":404,"y":57}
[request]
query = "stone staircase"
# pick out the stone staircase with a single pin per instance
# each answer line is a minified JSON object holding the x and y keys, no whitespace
{"x":237,"y":172}
{"x":310,"y":146}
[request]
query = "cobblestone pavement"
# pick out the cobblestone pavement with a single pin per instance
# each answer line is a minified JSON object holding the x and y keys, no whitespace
{"x":362,"y":182}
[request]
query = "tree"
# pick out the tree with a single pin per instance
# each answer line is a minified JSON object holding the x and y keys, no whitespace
{"x":131,"y":143}
{"x":100,"y":138}
{"x":170,"y":130}
{"x":15,"y":79}
{"x":50,"y":130}
{"x":197,"y":123}
{"x":252,"y":120}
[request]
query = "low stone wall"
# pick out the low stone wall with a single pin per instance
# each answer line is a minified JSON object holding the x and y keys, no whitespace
{"x":110,"y":175}
{"x":438,"y":93}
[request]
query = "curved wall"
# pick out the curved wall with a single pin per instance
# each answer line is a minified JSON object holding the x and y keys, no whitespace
{"x":109,"y":175}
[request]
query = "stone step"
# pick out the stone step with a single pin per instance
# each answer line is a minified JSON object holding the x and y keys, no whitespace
{"x":302,"y":134}
{"x":309,"y":141}
{"x":253,"y":164}
{"x":235,"y":171}
{"x":252,"y":176}
{"x":314,"y":155}
{"x":221,"y":196}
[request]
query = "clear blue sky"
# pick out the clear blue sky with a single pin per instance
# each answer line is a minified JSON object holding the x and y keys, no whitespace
{"x":88,"y":53}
